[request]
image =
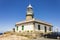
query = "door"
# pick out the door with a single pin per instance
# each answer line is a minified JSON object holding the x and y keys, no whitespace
{"x":45,"y":29}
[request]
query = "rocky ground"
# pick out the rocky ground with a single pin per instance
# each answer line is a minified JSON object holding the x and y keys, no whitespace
{"x":15,"y":37}
{"x":22,"y":36}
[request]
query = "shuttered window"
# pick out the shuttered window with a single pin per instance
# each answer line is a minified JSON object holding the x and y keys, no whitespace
{"x":17,"y":28}
{"x":38,"y":27}
{"x":22,"y":27}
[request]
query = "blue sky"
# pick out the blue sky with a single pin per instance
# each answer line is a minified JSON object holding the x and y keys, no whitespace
{"x":12,"y":11}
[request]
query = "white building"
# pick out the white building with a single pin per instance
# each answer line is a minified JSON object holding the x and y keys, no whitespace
{"x":31,"y":24}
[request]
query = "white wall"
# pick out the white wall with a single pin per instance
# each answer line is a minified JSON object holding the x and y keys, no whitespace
{"x":28,"y":26}
{"x":42,"y":27}
{"x":36,"y":26}
{"x":47,"y":28}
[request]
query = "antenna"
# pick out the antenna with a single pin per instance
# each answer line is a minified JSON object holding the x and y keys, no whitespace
{"x":29,"y":1}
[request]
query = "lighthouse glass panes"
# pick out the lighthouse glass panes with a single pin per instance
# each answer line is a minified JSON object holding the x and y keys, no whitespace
{"x":30,"y":10}
{"x":22,"y":27}
{"x":38,"y":27}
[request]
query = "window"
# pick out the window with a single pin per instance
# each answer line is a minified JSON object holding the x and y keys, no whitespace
{"x":22,"y":27}
{"x":38,"y":27}
{"x":17,"y":28}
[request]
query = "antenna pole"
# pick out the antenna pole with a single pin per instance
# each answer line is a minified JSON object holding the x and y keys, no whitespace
{"x":29,"y":1}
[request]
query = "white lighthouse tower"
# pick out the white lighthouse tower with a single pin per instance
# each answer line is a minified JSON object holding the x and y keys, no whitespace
{"x":29,"y":15}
